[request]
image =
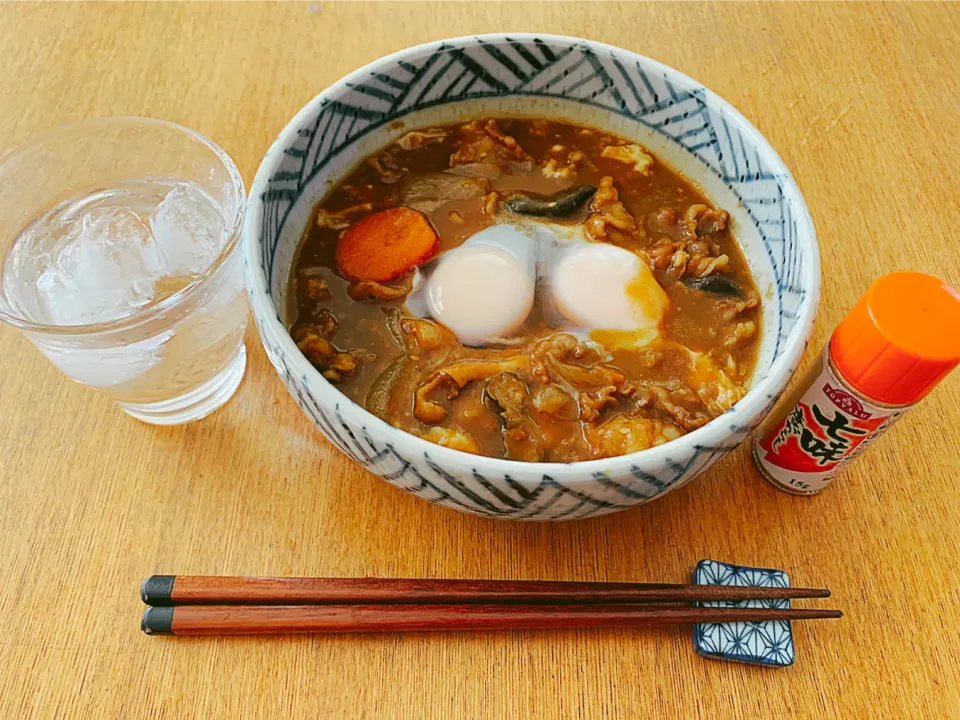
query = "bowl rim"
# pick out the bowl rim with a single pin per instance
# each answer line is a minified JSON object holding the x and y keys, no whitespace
{"x":763,"y":392}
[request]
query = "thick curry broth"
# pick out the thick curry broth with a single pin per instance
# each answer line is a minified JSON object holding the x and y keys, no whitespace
{"x":667,"y":390}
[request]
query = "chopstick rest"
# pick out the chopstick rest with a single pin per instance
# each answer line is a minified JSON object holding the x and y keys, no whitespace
{"x":768,"y":643}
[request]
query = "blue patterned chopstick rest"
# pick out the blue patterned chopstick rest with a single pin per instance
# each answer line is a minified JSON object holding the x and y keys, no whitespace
{"x":757,"y":643}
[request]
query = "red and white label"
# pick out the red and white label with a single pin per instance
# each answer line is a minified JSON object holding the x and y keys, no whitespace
{"x":820,"y":435}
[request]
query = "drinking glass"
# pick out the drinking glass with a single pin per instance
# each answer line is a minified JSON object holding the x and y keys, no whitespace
{"x":173,"y":360}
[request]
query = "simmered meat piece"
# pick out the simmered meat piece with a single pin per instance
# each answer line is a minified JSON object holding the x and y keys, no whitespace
{"x":592,"y":404}
{"x":666,"y":221}
{"x":556,"y":403}
{"x":563,"y":360}
{"x":707,"y":220}
{"x":343,"y":363}
{"x":453,"y":438}
{"x":477,"y":170}
{"x":467,"y":371}
{"x":553,"y":360}
{"x":484,"y":142}
{"x":610,"y":219}
{"x":312,"y":343}
{"x":742,"y":332}
{"x":342,"y":218}
{"x":315,"y":287}
{"x":686,"y":246}
{"x":332,"y":363}
{"x":490,"y":203}
{"x":639,"y":159}
{"x":509,"y":393}
{"x":453,"y":378}
{"x":426,"y":335}
{"x":561,"y":346}
{"x":417,"y":335}
{"x":370,"y":291}
{"x":621,"y":435}
{"x":418,"y":138}
{"x":386,"y":167}
{"x":717,"y":391}
{"x":678,"y":401}
{"x":430,"y":191}
{"x":579,"y":376}
{"x":562,"y":162}
{"x":700,"y":266}
{"x":326,"y":322}
{"x":522,"y":438}
{"x":697,"y":221}
{"x":734,"y":307}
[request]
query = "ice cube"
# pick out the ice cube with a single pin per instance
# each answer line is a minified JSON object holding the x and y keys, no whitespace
{"x":108,"y":367}
{"x":103,"y":268}
{"x":189,"y":230}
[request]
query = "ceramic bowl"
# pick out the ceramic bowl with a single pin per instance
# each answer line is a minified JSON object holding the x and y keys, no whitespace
{"x":686,"y":125}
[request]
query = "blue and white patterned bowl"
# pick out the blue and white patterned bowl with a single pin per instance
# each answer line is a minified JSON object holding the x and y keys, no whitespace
{"x":555,"y":77}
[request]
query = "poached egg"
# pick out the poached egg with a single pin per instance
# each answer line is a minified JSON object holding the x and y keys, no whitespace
{"x":484,"y":290}
{"x":600,"y":287}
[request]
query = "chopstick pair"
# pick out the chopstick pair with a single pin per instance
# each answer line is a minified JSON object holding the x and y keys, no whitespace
{"x":203,"y":605}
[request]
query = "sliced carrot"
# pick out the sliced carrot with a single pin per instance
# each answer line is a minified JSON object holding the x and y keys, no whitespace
{"x":386,"y":245}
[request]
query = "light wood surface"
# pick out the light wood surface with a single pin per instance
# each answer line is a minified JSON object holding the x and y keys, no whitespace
{"x":861,"y":100}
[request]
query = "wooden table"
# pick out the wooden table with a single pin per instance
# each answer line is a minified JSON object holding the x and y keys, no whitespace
{"x":861,"y":102}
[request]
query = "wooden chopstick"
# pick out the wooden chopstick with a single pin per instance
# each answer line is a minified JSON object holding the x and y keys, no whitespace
{"x":282,"y":620}
{"x":168,"y":590}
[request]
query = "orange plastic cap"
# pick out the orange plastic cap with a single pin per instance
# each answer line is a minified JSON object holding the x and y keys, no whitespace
{"x":901,"y":339}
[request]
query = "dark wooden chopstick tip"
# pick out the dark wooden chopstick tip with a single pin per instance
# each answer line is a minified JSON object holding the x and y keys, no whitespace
{"x":157,"y":590}
{"x":157,"y":621}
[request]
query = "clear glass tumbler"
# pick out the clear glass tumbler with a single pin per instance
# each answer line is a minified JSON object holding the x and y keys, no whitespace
{"x":179,"y":357}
